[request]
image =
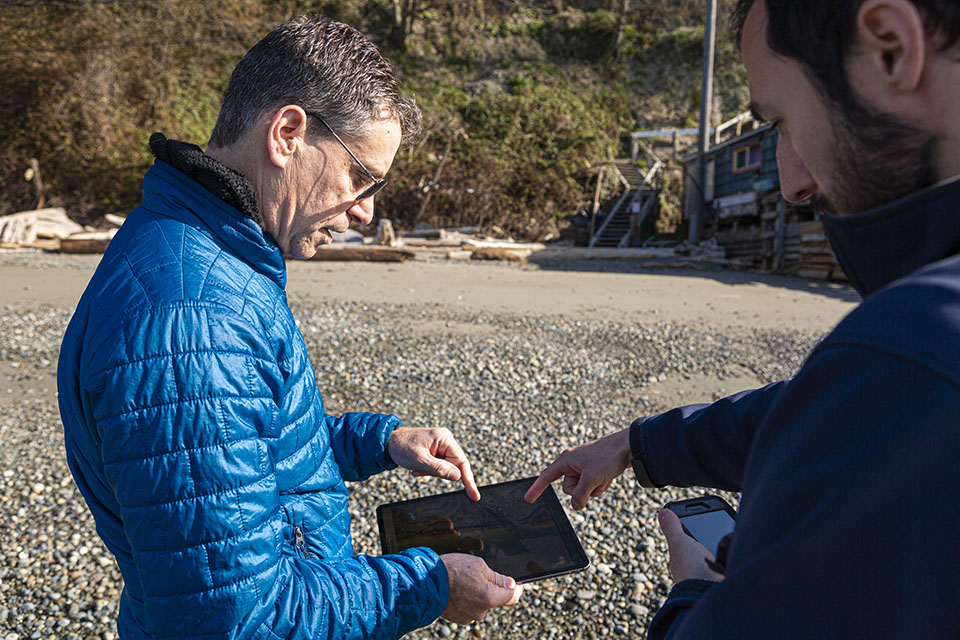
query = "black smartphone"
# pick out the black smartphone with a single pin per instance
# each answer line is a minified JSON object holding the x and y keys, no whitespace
{"x":707,"y":519}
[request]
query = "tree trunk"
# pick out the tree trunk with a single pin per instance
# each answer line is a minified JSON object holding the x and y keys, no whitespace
{"x":404,"y":14}
{"x":622,"y":24}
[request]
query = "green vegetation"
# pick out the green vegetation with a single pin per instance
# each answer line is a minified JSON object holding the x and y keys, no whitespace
{"x":521,"y":100}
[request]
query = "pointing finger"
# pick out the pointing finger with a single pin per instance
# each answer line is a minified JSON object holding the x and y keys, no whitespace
{"x":455,"y":455}
{"x":469,"y":484}
{"x":539,"y":485}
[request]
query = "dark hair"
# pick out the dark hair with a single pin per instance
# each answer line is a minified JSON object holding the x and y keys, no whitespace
{"x":325,"y":67}
{"x":818,"y":34}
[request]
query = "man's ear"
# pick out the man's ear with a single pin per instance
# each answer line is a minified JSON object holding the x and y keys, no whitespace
{"x":891,"y":36}
{"x":285,"y":134}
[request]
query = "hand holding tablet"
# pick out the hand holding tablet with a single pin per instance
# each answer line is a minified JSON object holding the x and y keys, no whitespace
{"x":526,"y":541}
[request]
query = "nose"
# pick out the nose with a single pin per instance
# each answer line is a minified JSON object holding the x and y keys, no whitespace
{"x":796,"y":183}
{"x":362,"y":211}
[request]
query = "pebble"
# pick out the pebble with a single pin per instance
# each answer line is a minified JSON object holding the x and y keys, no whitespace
{"x":515,"y":390}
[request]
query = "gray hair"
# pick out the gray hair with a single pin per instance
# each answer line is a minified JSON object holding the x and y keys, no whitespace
{"x":325,"y":67}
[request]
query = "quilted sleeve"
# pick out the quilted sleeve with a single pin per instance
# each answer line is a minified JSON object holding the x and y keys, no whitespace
{"x":186,"y":412}
{"x":359,"y":443}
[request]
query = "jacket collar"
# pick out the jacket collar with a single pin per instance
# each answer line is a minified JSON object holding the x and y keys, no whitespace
{"x":170,"y":192}
{"x":877,"y":247}
{"x":225,"y":183}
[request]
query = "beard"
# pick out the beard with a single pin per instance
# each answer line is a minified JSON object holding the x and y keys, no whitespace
{"x":879,"y":160}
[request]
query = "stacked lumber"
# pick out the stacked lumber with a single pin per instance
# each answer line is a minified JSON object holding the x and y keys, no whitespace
{"x":747,"y":246}
{"x":816,"y":258}
{"x":792,"y":241}
{"x":806,"y":250}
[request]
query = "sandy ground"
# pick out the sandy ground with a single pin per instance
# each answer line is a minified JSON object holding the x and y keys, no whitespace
{"x":624,"y":291}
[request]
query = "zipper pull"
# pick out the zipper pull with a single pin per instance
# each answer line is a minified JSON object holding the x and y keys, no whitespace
{"x":299,"y":542}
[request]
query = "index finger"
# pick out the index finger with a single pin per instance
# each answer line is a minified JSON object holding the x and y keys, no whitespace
{"x":466,"y":474}
{"x":455,"y":455}
{"x":540,"y":485}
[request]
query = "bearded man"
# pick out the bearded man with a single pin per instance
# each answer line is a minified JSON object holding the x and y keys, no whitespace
{"x":848,"y":513}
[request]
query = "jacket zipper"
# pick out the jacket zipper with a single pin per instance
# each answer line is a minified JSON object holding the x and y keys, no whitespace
{"x":299,"y":541}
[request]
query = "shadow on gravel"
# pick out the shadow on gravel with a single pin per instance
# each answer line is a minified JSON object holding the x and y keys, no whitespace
{"x":834,"y":290}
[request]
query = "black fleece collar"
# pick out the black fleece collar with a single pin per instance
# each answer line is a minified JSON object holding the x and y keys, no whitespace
{"x":225,"y":183}
{"x":885,"y":244}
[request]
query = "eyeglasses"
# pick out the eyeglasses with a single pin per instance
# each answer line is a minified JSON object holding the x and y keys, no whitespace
{"x":377,"y":184}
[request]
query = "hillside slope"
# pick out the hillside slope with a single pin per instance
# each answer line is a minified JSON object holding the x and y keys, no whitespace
{"x":521,"y":100}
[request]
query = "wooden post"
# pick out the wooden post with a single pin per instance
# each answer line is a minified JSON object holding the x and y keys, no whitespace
{"x":596,"y":202}
{"x":33,"y":174}
{"x":706,"y":100}
{"x":781,"y":231}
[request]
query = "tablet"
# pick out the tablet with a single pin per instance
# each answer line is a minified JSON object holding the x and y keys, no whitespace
{"x":525,"y":541}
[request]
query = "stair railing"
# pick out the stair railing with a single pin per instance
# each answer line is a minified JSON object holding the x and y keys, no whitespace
{"x":646,"y":189}
{"x":637,"y":220}
{"x":652,"y":180}
{"x":610,"y":216}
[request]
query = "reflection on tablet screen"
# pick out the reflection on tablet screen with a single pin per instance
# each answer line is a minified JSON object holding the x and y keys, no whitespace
{"x":518,"y":539}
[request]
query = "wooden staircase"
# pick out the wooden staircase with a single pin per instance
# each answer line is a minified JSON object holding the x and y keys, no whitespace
{"x":639,"y":200}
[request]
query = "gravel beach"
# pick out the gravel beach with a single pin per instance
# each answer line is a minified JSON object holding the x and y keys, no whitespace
{"x":519,"y":361}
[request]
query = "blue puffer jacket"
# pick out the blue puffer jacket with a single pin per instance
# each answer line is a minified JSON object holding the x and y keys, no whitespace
{"x":197,"y":436}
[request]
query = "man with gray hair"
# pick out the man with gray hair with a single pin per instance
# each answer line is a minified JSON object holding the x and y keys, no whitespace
{"x":192,"y":420}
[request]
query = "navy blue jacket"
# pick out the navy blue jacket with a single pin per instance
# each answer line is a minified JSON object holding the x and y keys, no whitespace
{"x":851,"y":499}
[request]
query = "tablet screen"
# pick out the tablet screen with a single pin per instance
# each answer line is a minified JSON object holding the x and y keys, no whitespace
{"x":525,"y":541}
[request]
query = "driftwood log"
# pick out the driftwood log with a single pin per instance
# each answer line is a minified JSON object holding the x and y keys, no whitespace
{"x":497,"y":253}
{"x":26,"y":226}
{"x":583,"y":253}
{"x":114,"y":219}
{"x":440,"y":233}
{"x":45,"y":245}
{"x":471,"y":245}
{"x":430,"y":243}
{"x":361,"y":253}
{"x":87,"y":242}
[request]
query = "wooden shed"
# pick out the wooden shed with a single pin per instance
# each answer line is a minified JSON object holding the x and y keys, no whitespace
{"x":744,"y":212}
